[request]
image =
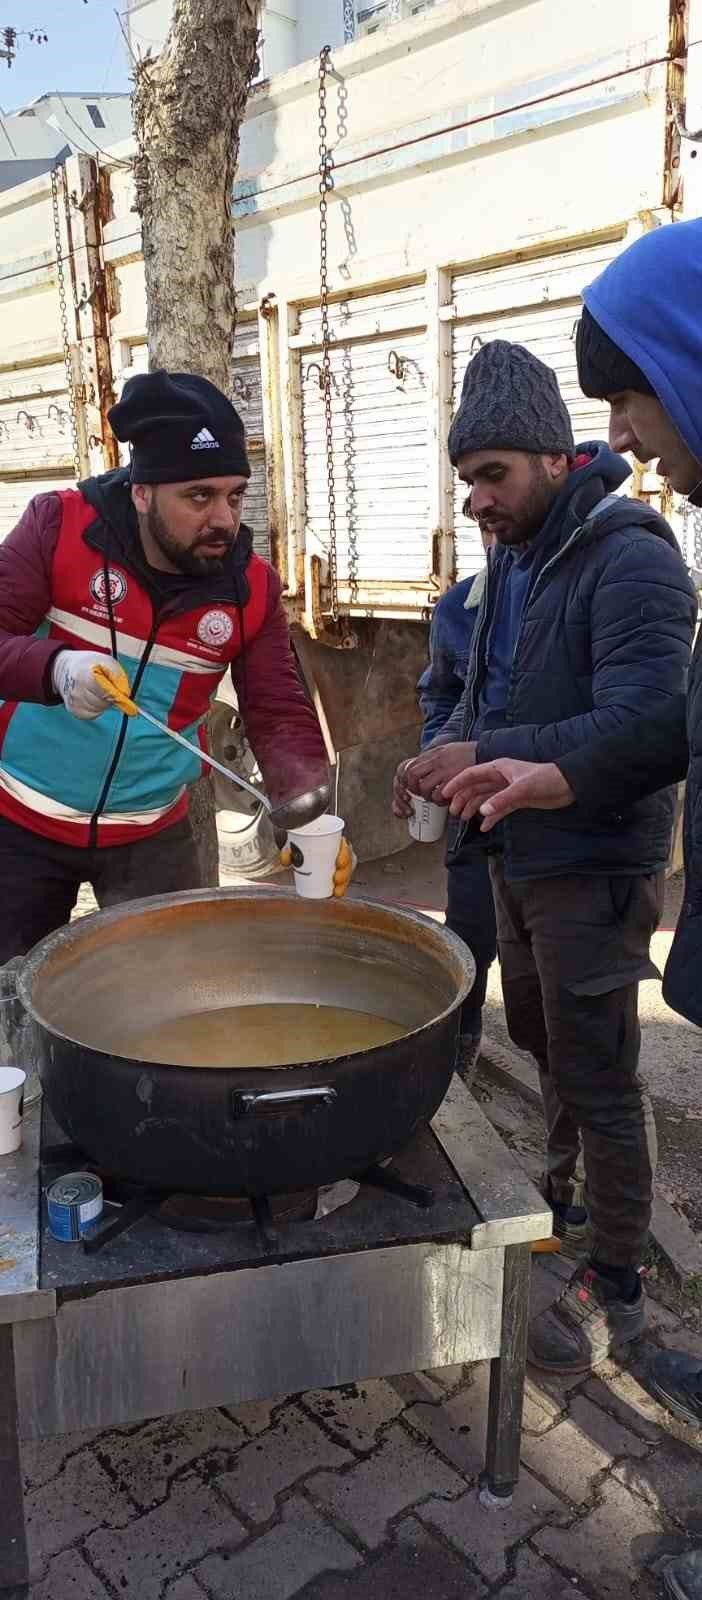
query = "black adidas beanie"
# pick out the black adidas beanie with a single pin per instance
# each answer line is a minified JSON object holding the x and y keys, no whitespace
{"x":180,"y":427}
{"x":510,"y":401}
{"x":604,"y":369}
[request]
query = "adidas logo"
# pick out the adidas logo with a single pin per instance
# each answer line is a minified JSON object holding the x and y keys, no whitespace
{"x":204,"y":440}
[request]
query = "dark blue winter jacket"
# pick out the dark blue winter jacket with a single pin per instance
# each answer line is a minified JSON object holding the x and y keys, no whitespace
{"x":604,"y":638}
{"x":450,"y":636}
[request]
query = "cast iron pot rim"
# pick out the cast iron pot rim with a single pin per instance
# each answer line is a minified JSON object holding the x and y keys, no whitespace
{"x":69,"y":934}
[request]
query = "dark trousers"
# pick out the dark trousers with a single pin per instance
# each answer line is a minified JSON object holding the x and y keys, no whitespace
{"x":573,"y":950}
{"x":470,"y":913}
{"x":40,"y":878}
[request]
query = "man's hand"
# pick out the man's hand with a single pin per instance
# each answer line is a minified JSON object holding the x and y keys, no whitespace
{"x":429,"y":773}
{"x":346,"y":863}
{"x":498,"y":787}
{"x":73,"y":679}
{"x":401,"y":798}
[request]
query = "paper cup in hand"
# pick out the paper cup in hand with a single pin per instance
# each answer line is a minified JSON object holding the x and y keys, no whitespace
{"x":314,"y":849}
{"x":427,"y":821}
{"x":12,"y":1080}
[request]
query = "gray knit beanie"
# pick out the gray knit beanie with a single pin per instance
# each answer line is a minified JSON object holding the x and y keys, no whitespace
{"x":510,"y":401}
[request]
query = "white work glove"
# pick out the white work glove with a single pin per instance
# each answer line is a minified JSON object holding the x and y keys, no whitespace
{"x":72,"y":678}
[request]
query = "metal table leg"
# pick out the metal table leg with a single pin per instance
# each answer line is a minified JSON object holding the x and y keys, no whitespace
{"x":14,"y":1560}
{"x":507,"y":1381}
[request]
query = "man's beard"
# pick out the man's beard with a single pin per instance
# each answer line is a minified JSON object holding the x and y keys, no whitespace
{"x":522,"y":526}
{"x":191,"y":562}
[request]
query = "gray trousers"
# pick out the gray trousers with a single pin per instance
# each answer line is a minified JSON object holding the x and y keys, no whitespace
{"x":573,"y":951}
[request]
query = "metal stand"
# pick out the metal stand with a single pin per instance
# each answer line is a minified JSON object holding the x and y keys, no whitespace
{"x":14,"y":1570}
{"x":507,"y":1371}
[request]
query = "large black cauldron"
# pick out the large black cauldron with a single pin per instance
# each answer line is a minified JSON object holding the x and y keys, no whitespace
{"x":226,"y":1132}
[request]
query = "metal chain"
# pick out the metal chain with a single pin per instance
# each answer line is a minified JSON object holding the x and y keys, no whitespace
{"x":63,"y":307}
{"x":326,"y":184}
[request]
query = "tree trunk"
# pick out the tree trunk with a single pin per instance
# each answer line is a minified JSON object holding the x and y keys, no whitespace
{"x":188,"y":105}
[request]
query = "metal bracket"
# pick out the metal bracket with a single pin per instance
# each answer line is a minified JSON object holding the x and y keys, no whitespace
{"x":694,"y":135}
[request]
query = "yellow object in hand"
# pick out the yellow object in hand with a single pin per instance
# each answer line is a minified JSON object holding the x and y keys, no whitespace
{"x":116,"y":686}
{"x":343,"y":871}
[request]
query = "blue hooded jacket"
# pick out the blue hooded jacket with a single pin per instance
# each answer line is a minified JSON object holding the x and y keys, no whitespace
{"x":649,"y":302}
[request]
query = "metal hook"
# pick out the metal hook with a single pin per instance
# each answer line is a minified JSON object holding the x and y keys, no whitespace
{"x":61,"y":416}
{"x":30,"y":422}
{"x":397,"y":366}
{"x":476,"y":344}
{"x":241,"y":389}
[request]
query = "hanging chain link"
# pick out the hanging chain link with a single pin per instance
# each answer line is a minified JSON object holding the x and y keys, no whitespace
{"x":326,"y":184}
{"x":63,"y":308}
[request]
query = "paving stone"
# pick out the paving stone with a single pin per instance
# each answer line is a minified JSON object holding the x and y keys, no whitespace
{"x":80,"y":1499}
{"x":413,"y":1387}
{"x":610,"y":1547}
{"x":254,"y":1416}
{"x":457,"y":1429}
{"x":578,"y":1449}
{"x":671,"y":1482}
{"x":684,"y":1340}
{"x":43,"y":1460}
{"x":660,"y":1318}
{"x":413,"y":1567}
{"x":69,"y":1578}
{"x":292,"y":1447}
{"x":629,"y":1403}
{"x":283,"y":1560}
{"x":447,"y":1377}
{"x":486,"y":1536}
{"x":192,"y":1521}
{"x":184,"y":1589}
{"x":534,"y":1579}
{"x":603,"y":1431}
{"x":400,"y":1473}
{"x":145,"y":1461}
{"x":356,"y":1411}
{"x":541,"y":1410}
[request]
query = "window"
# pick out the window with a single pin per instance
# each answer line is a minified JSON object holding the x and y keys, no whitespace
{"x":371,"y":15}
{"x":96,"y":117}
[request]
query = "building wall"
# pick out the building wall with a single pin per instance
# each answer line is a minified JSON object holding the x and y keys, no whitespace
{"x":487,"y":163}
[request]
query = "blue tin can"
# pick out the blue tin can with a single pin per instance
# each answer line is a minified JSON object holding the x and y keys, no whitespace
{"x":74,"y":1205}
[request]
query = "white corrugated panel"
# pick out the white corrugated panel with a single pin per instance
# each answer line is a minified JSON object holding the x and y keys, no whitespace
{"x":535,"y":303}
{"x":16,"y":494}
{"x":403,"y":306}
{"x":381,"y":443}
{"x":35,"y":430}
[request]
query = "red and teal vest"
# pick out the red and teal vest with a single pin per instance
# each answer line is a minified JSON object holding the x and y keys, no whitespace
{"x":118,"y":779}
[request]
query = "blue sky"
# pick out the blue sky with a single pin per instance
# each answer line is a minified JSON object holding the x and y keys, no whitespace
{"x":85,"y":51}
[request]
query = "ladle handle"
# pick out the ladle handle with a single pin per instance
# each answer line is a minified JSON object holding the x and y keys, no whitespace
{"x":247,"y":1103}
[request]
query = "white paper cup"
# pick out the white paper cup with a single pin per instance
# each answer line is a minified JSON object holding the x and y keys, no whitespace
{"x":315,"y":848}
{"x":12,"y":1081}
{"x":427,"y":821}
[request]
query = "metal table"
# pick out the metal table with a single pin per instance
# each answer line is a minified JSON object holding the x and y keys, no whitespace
{"x":379,"y":1290}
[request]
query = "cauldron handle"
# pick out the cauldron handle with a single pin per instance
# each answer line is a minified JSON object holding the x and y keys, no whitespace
{"x":247,"y":1103}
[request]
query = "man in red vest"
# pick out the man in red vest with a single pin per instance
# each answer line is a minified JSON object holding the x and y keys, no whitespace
{"x":150,"y":570}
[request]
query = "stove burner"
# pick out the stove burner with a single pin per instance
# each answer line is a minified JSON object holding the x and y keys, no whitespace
{"x":128,"y":1203}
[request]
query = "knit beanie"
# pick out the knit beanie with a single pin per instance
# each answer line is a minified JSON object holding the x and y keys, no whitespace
{"x":180,"y":427}
{"x":510,"y":401}
{"x":604,"y":369}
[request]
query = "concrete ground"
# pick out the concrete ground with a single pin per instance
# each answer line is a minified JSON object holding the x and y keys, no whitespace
{"x":369,"y":1492}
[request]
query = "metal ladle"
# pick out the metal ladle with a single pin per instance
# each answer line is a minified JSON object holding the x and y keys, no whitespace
{"x":302,"y":808}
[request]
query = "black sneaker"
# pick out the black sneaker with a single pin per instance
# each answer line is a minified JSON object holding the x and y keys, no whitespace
{"x":683,"y":1576}
{"x":584,"y":1325}
{"x":571,"y":1225}
{"x":676,"y":1380}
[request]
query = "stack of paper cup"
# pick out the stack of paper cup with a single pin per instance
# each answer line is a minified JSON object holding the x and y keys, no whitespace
{"x":427,"y":821}
{"x":12,"y":1080}
{"x":314,"y":849}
